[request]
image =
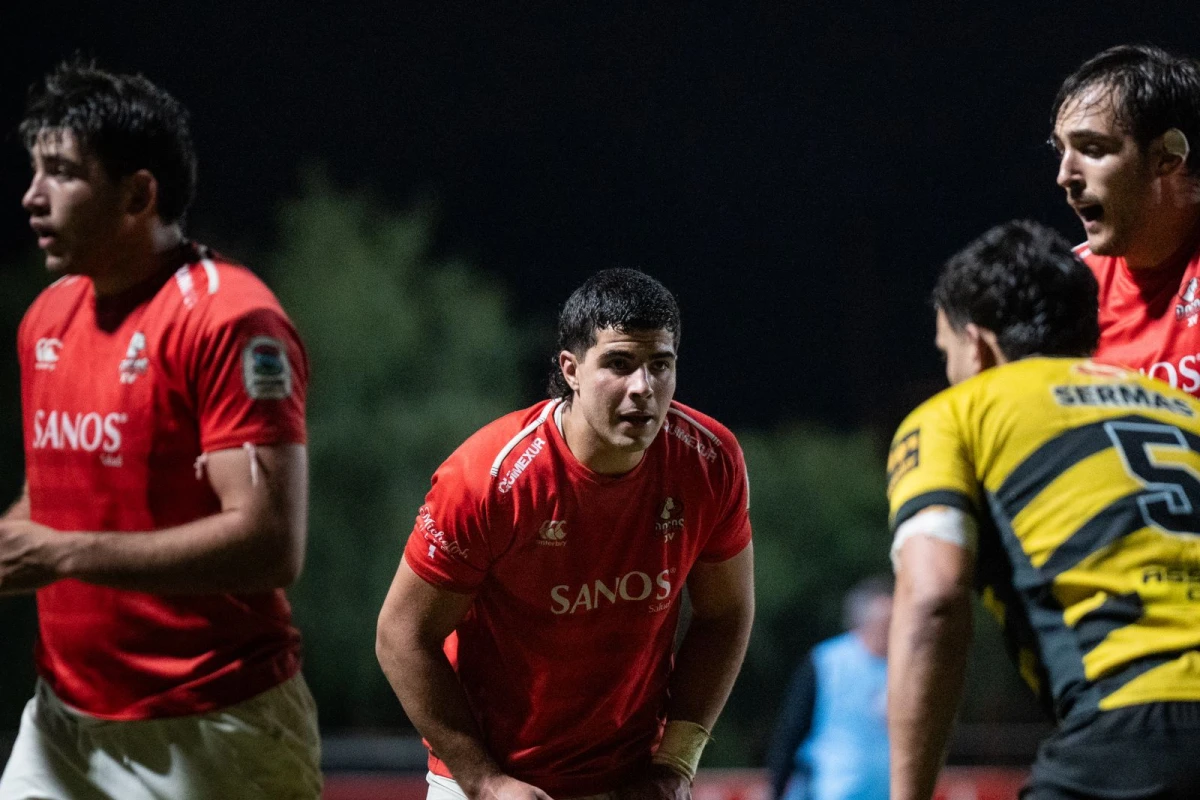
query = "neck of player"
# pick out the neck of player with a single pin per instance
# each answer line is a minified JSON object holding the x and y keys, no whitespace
{"x":591,"y":450}
{"x":1176,"y":228}
{"x":139,"y":260}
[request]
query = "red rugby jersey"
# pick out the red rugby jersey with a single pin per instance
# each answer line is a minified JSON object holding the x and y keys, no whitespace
{"x":121,"y":396}
{"x":565,"y":653}
{"x":1150,"y":318}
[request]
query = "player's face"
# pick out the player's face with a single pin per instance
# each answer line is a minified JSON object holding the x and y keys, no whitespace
{"x":623,"y":387}
{"x":75,"y":208}
{"x":959,"y":350}
{"x":1110,"y":183}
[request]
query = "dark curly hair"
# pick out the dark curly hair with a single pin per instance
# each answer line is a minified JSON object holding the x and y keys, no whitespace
{"x":622,"y":299}
{"x":1021,"y":281}
{"x":1151,"y":92}
{"x":126,"y":121}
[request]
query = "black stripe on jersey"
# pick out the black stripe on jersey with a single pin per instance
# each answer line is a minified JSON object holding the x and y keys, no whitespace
{"x":993,"y":570}
{"x":1115,"y":612}
{"x":1041,"y":628}
{"x":1052,"y":459}
{"x":1116,"y":521}
{"x":1059,"y":454}
{"x":941,"y":497}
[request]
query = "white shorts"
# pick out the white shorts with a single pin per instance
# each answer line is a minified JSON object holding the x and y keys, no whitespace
{"x":448,"y":789}
{"x":265,"y":747}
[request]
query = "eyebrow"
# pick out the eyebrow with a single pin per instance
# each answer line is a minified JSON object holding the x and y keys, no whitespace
{"x":619,"y":351}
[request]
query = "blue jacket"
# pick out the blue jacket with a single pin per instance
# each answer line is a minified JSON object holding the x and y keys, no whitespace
{"x":831,"y":740}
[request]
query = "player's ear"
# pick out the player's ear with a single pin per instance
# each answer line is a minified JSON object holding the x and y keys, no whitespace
{"x":981,"y":353}
{"x":141,"y":193}
{"x":1170,"y":151}
{"x":985,"y":347}
{"x":568,"y":362}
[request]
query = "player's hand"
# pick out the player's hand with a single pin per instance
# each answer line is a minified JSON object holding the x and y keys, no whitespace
{"x":658,"y":783}
{"x":29,"y":555}
{"x":506,"y":787}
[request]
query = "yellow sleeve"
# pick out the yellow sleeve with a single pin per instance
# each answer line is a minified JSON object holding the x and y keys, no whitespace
{"x":929,"y":464}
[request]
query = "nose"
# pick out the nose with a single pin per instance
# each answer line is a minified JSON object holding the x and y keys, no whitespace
{"x":1068,"y":176}
{"x":34,"y":200}
{"x":639,"y":382}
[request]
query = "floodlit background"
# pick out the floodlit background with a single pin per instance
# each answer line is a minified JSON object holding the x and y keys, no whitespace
{"x":423,"y":188}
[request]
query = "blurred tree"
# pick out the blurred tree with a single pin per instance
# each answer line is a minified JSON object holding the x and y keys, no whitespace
{"x":818,"y":505}
{"x":410,"y":355}
{"x":819,"y":508}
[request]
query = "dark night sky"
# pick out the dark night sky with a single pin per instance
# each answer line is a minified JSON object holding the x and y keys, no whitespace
{"x":795,"y":175}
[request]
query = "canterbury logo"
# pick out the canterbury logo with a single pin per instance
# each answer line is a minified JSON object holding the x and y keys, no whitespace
{"x":45,"y":352}
{"x":553,"y":531}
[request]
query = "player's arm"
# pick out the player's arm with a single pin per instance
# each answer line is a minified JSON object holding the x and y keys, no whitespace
{"x":928,"y":644}
{"x":254,"y":543}
{"x":19,"y":510}
{"x":709,"y":657}
{"x":413,"y":625}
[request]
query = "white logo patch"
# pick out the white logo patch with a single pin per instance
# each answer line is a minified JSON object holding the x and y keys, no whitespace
{"x":266,"y":370}
{"x":45,"y":352}
{"x":553,"y":532}
{"x":135,"y":362}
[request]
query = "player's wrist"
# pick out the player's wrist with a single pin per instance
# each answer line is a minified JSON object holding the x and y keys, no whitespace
{"x":481,"y":781}
{"x":70,"y":554}
{"x":681,"y":746}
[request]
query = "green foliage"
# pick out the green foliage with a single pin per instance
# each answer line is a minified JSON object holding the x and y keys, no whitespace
{"x":818,"y":505}
{"x":409,"y":356}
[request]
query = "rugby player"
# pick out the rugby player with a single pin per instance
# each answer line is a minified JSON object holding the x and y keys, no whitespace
{"x":1067,"y":492}
{"x":1127,"y":129}
{"x":528,"y":632}
{"x":164,"y":508}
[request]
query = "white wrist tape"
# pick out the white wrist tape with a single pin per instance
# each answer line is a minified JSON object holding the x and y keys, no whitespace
{"x":945,"y":523}
{"x":681,"y":746}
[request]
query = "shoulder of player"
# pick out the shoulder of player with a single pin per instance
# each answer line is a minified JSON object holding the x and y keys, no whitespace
{"x":699,"y":434}
{"x":943,"y":405}
{"x":1004,"y":388}
{"x":220,"y":289}
{"x":64,"y":293}
{"x":495,"y":456}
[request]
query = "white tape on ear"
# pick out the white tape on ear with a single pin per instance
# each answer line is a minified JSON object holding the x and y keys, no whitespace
{"x":1176,"y":143}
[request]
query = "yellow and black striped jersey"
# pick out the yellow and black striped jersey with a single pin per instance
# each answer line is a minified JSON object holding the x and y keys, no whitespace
{"x":1085,"y":482}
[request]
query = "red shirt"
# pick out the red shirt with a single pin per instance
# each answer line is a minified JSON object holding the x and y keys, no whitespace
{"x":565,"y":652}
{"x":121,"y":396}
{"x":1150,"y":318}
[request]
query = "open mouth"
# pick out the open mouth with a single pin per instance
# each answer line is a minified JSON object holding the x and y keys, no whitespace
{"x":1090,"y":213}
{"x":638,"y":419}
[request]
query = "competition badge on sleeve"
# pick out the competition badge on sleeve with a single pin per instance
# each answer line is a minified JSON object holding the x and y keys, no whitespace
{"x":265,"y":369}
{"x":903,"y":457}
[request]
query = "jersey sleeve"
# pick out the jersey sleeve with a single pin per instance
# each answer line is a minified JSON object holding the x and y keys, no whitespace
{"x":251,"y":379}
{"x":451,"y":544}
{"x":929,"y":464}
{"x":732,"y":532}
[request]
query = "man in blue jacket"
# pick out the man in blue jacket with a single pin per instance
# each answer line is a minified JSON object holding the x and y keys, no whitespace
{"x":831,"y":742}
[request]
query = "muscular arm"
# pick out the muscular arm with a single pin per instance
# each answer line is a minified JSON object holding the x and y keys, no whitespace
{"x":927,"y":654}
{"x":254,"y":543}
{"x":722,"y":596}
{"x":413,"y":625}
